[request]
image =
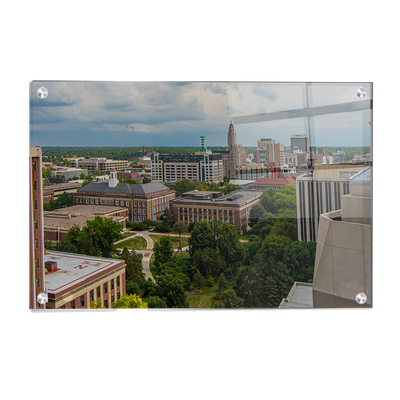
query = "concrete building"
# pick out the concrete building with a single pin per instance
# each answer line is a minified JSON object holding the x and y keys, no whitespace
{"x":36,"y":245}
{"x":300,"y":142}
{"x":319,"y":192}
{"x":171,"y":168}
{"x":99,"y":163}
{"x":343,"y":256}
{"x":52,"y":191}
{"x":235,"y":155}
{"x":296,"y":159}
{"x":300,"y":296}
{"x":269,"y":151}
{"x":58,"y":222}
{"x":143,"y":201}
{"x":68,"y":173}
{"x":276,"y":183}
{"x":73,"y":281}
{"x":205,"y":206}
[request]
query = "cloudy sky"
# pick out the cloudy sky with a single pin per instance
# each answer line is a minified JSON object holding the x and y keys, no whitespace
{"x":176,"y":114}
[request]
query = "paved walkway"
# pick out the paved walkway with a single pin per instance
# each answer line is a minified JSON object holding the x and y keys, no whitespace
{"x":147,"y":253}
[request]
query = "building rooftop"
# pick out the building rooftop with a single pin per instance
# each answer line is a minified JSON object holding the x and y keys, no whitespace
{"x":234,"y":198}
{"x":126,"y":188}
{"x":300,"y":296}
{"x":241,"y":182}
{"x":66,"y":218}
{"x":362,"y":178}
{"x":74,"y":270}
{"x":276,"y":181}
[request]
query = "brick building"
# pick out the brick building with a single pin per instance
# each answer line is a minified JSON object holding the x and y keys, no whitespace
{"x":127,"y":175}
{"x":254,"y":173}
{"x":74,"y":280}
{"x":36,"y":245}
{"x":142,"y":201}
{"x":205,"y":206}
{"x":58,"y":222}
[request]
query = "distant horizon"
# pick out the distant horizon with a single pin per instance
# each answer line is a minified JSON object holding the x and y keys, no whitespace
{"x":46,"y":147}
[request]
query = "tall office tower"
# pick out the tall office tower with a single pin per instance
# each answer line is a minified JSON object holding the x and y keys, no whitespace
{"x":235,"y":156}
{"x":36,"y":245}
{"x":269,"y":151}
{"x":343,"y":256}
{"x":321,"y":192}
{"x":231,"y":135}
{"x":301,"y":142}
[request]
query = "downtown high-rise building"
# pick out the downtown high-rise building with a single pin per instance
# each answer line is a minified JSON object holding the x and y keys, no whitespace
{"x":235,"y":156}
{"x":300,"y":142}
{"x":269,"y":151}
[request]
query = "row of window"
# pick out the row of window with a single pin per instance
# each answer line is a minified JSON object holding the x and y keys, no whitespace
{"x":205,"y":211}
{"x":123,"y":202}
{"x":191,"y":219}
{"x":98,"y":290}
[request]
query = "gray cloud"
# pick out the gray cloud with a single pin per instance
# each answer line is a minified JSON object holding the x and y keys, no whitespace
{"x":215,"y":88}
{"x":264,"y":91}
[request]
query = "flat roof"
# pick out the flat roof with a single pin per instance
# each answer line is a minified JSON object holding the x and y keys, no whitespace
{"x":67,"y":217}
{"x":74,"y":270}
{"x":235,"y":198}
{"x":239,"y":182}
{"x":300,"y":296}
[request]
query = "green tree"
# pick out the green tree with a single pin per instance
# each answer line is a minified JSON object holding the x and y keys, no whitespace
{"x":100,"y":235}
{"x":284,"y":281}
{"x":71,"y":242}
{"x":229,"y":245}
{"x":208,"y":261}
{"x":223,"y":282}
{"x":134,"y":276}
{"x":263,"y":226}
{"x":129,"y":301}
{"x":179,"y":227}
{"x":198,"y":280}
{"x":267,"y":200}
{"x":202,"y":186}
{"x":229,"y":299}
{"x":162,"y":251}
{"x":299,"y":257}
{"x":269,"y":292}
{"x":170,"y":289}
{"x":274,"y":246}
{"x":202,"y":238}
{"x":210,"y":282}
{"x":214,"y":224}
{"x":167,"y":218}
{"x":64,"y":200}
{"x":96,"y":304}
{"x":257,"y":212}
{"x":246,"y":286}
{"x":155,"y":302}
{"x":285,"y":227}
{"x":183,"y":186}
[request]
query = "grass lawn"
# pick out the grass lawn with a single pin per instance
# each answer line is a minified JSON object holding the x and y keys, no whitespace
{"x":137,"y":243}
{"x":205,"y":298}
{"x":128,"y":234}
{"x":176,"y":240}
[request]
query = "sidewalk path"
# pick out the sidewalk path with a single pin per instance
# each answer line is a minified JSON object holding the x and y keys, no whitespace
{"x":147,"y":253}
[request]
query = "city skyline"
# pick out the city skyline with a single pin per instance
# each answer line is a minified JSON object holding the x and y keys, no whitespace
{"x":133,"y":114}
